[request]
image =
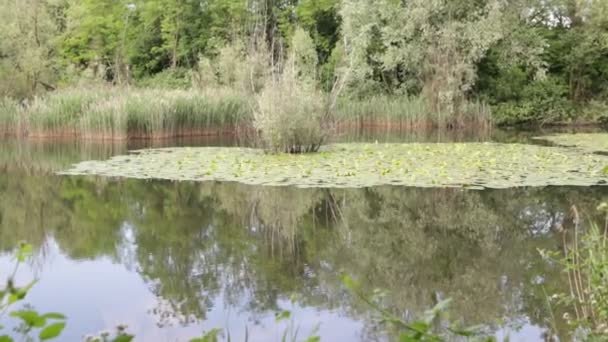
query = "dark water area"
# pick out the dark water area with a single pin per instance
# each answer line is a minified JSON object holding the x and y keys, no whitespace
{"x":173,"y":259}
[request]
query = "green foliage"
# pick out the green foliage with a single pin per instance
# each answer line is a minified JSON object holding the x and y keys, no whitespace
{"x":120,"y":335}
{"x":540,"y":102}
{"x":49,"y":325}
{"x":28,"y":56}
{"x":392,"y":43}
{"x":292,"y":115}
{"x":584,"y":259}
{"x":167,"y":79}
{"x":210,"y":336}
{"x":535,"y":62}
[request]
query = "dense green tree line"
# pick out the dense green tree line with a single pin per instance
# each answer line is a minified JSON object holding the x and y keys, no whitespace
{"x":532,"y":60}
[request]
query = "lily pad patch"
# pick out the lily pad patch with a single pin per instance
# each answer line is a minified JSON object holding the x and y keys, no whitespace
{"x":469,"y":165}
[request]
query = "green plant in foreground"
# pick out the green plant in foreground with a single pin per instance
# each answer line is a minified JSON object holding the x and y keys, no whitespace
{"x":584,"y":258}
{"x":120,"y":335}
{"x":47,"y":326}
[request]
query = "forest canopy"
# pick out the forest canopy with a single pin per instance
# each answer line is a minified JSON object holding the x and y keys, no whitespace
{"x":532,"y":61}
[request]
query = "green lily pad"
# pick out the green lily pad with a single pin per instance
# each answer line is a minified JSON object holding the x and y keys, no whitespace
{"x":467,"y":165}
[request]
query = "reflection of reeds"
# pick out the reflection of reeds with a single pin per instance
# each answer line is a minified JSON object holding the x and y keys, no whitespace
{"x":40,"y":157}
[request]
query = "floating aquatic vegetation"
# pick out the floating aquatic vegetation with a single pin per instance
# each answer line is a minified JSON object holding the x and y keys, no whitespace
{"x":470,"y":165}
{"x":589,"y":142}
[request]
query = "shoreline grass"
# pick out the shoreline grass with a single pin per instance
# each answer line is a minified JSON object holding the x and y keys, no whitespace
{"x":115,"y":113}
{"x":121,"y":113}
{"x":407,"y":113}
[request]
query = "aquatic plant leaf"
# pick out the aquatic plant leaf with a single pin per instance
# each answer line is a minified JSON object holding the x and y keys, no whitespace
{"x":462,"y":165}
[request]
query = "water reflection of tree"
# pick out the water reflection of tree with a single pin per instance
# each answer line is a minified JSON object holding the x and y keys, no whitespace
{"x":254,"y":245}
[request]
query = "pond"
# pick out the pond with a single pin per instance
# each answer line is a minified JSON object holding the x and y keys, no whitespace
{"x":173,"y":259}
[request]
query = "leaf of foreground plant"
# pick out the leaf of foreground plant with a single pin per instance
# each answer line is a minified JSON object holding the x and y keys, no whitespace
{"x":6,"y":338}
{"x":30,"y":318}
{"x":51,"y":331}
{"x":210,"y":336}
{"x":283,"y":315}
{"x":54,"y":315}
{"x":123,"y":338}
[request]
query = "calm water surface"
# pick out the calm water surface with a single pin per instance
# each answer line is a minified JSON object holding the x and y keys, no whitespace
{"x":171,"y":260}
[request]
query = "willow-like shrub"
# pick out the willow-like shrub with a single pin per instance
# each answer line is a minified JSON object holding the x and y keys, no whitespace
{"x":291,"y":117}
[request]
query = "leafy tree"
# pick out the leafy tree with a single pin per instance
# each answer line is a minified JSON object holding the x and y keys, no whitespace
{"x":29,"y":32}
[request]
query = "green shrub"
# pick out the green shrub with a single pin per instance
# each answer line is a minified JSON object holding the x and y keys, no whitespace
{"x":543,"y":101}
{"x":291,"y":116}
{"x":168,"y":79}
{"x":595,"y":111}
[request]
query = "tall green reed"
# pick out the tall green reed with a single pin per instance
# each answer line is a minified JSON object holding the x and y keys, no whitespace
{"x":121,"y":113}
{"x":584,"y":259}
{"x":405,"y":112}
{"x":10,"y":117}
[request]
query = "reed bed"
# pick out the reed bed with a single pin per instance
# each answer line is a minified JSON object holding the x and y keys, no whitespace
{"x":384,"y":111}
{"x":120,"y":113}
{"x":407,"y":113}
{"x":113,"y":113}
{"x":10,"y":117}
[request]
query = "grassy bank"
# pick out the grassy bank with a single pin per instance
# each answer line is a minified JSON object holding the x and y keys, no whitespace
{"x":111,"y":113}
